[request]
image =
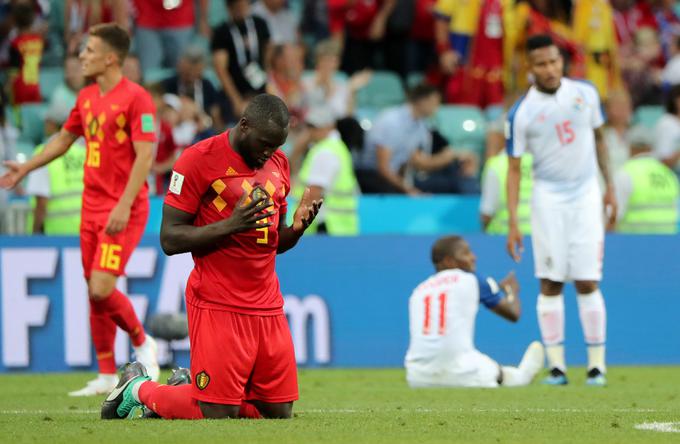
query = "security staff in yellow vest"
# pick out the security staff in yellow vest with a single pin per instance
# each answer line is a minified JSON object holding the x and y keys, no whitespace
{"x":647,"y":190}
{"x":493,"y":204}
{"x":56,"y":191}
{"x":329,"y":173}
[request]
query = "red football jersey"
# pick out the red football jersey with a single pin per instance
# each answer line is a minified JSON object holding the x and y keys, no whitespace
{"x":238,"y":274}
{"x":26,"y":54}
{"x":110,"y":123}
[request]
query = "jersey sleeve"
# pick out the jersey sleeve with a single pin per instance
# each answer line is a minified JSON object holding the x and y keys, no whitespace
{"x":285,"y":168}
{"x":187,"y":185}
{"x":515,"y":131}
{"x":74,"y":123}
{"x":489,"y":291}
{"x":142,"y":117}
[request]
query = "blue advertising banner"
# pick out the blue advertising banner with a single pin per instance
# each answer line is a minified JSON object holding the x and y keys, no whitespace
{"x":346,"y":300}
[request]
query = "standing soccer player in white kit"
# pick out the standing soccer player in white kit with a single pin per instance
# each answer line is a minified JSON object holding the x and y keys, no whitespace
{"x":442,"y":314}
{"x":559,"y":122}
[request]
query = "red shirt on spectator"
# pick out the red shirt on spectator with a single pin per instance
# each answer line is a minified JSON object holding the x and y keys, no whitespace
{"x":152,"y":14}
{"x":25,"y":55}
{"x":353,"y":16}
{"x":423,"y":20}
{"x":629,"y":21}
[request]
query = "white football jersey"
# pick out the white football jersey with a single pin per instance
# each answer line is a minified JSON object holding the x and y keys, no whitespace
{"x":442,"y":313}
{"x":558,"y":130}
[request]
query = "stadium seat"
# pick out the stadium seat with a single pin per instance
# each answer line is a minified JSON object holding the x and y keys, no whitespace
{"x":648,"y":115}
{"x":463,"y":126}
{"x":158,"y":74}
{"x":415,"y":78}
{"x":50,"y":78}
{"x":384,"y":89}
{"x":217,"y":12}
{"x":24,"y":149}
{"x":32,"y":125}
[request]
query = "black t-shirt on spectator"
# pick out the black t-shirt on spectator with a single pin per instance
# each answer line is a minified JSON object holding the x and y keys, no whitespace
{"x":222,"y":39}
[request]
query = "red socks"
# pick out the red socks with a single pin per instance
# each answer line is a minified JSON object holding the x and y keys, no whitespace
{"x":105,"y":314}
{"x":176,"y":402}
{"x":170,"y":402}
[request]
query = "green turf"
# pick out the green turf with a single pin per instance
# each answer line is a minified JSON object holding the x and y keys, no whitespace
{"x":348,"y":406}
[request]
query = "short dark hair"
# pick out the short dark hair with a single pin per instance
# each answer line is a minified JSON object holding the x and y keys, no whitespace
{"x":114,"y":36}
{"x":444,"y":247}
{"x":265,"y":110}
{"x":672,"y":98}
{"x":23,"y":14}
{"x":539,"y":41}
{"x":421,"y":91}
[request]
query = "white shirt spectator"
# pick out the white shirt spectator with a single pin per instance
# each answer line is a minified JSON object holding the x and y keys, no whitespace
{"x":337,"y":100}
{"x":282,"y":23}
{"x":671,"y":72}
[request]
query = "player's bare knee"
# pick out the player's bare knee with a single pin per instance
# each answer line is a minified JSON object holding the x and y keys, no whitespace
{"x":218,"y":411}
{"x":586,"y":287}
{"x":551,"y":288}
{"x":100,"y":286}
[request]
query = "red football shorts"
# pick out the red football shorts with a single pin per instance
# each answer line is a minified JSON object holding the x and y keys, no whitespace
{"x":109,"y":254}
{"x":236,"y":357}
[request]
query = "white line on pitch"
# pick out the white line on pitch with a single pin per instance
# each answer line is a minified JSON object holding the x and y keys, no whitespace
{"x":491,"y":410}
{"x":665,"y":427}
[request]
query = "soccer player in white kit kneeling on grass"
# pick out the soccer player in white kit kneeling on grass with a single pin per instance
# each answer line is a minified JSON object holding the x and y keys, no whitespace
{"x":442,"y":313}
{"x":559,"y":121}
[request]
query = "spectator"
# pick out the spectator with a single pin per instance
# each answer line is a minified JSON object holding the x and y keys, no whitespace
{"x":8,"y":138}
{"x":280,"y":20}
{"x":167,"y":150}
{"x":190,"y":82}
{"x":667,"y":131}
{"x":239,"y":49}
{"x":619,"y":112}
{"x":63,"y":98}
{"x":642,"y":70}
{"x":132,"y":69}
{"x":421,"y":45}
{"x":326,"y":89}
{"x":80,"y":15}
{"x":56,"y":189}
{"x":671,"y":72}
{"x":594,"y":30}
{"x":629,"y":16}
{"x":400,"y":139}
{"x":314,"y":22}
{"x":165,"y":28}
{"x":493,"y":206}
{"x":26,"y":50}
{"x":285,"y":79}
{"x":459,"y":176}
{"x":647,"y":191}
{"x":329,"y":173}
{"x":189,"y":124}
{"x":668,"y":24}
{"x":361,"y":25}
{"x":396,"y":37}
{"x":470,"y":39}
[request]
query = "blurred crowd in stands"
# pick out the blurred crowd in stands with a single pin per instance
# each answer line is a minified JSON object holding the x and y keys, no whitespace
{"x":417,"y":88}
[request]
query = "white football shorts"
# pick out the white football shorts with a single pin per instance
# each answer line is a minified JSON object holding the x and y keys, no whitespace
{"x":568,"y":240}
{"x":474,"y":369}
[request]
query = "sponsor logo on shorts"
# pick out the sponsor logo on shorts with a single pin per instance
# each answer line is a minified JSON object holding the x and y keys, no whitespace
{"x":202,"y":380}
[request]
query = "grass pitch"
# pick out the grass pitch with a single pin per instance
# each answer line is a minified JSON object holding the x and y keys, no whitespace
{"x":348,"y":406}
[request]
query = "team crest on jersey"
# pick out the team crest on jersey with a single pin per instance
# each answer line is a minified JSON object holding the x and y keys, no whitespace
{"x":202,"y":380}
{"x":579,"y":104}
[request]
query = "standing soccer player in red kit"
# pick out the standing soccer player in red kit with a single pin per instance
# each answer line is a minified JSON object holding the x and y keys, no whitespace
{"x":226,"y":204}
{"x":116,"y":117}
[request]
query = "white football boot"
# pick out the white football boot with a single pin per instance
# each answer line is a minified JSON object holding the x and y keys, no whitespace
{"x":101,"y":385}
{"x":147,"y":355}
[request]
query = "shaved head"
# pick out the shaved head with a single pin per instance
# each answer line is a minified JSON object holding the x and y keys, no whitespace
{"x":266,"y":112}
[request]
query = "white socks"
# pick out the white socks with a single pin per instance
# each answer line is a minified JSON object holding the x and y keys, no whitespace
{"x":593,"y":316}
{"x":515,"y":377}
{"x":550,"y":311}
